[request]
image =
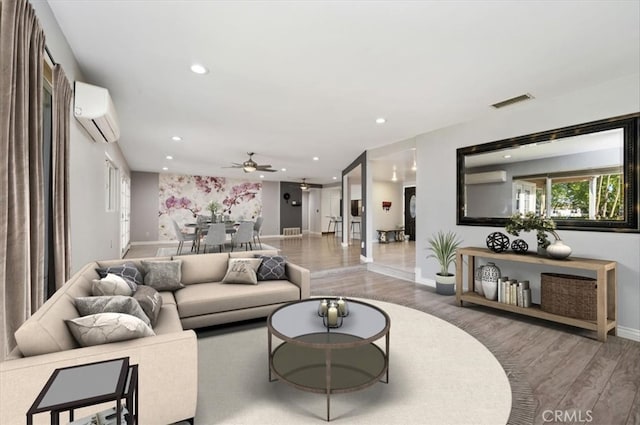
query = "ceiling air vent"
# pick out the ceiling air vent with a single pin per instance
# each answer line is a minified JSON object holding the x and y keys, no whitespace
{"x":513,"y":100}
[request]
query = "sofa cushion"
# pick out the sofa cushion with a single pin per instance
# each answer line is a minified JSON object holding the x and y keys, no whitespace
{"x":150,"y":301}
{"x":203,"y":268}
{"x":103,"y":328}
{"x":242,"y":270}
{"x":207,"y":298}
{"x":128,"y":271}
{"x":114,"y":304}
{"x":111,"y":284}
{"x":273,"y":267}
{"x":163,"y":275}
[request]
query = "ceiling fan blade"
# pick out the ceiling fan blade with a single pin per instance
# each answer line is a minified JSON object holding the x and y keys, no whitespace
{"x":268,"y":170}
{"x":263,"y":167}
{"x":234,"y":166}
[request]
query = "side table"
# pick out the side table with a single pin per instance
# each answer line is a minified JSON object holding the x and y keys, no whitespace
{"x":79,"y":386}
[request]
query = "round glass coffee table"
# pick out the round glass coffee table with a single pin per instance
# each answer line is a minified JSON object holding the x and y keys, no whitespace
{"x":320,"y":359}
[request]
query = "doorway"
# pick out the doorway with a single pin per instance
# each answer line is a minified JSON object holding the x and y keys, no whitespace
{"x":410,"y":212}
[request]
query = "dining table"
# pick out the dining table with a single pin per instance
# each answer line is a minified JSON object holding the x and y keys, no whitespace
{"x":201,"y":230}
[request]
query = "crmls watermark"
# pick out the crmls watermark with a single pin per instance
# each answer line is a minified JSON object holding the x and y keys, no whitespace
{"x":569,"y":416}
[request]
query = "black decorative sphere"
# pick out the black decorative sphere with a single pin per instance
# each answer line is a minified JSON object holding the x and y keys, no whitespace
{"x":498,"y":242}
{"x":520,"y":246}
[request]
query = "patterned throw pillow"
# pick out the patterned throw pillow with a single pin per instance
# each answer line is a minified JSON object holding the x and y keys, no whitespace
{"x":102,"y":328}
{"x":111,"y":284}
{"x":242,"y":270}
{"x":163,"y":275}
{"x":272,"y":267}
{"x":150,"y":301}
{"x":114,"y":304}
{"x":128,"y":271}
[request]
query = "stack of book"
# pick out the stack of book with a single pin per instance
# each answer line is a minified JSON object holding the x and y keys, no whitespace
{"x":514,"y":292}
{"x":106,"y":417}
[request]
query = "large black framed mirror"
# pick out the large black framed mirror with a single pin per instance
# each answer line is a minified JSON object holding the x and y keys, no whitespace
{"x":585,"y":177}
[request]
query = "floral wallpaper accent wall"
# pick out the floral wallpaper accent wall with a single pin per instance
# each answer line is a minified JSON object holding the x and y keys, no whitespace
{"x":183,"y":197}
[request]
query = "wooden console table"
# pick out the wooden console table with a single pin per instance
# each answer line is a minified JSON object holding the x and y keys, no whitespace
{"x":606,"y":298}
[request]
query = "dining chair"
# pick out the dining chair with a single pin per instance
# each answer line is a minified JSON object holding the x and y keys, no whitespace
{"x":182,"y":236}
{"x":216,"y":235}
{"x":244,"y":235}
{"x":256,"y":230}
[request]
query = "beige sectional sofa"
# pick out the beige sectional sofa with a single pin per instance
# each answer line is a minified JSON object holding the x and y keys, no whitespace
{"x":168,"y":361}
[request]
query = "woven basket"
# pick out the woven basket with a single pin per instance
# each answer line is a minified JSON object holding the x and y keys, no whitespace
{"x":568,"y":295}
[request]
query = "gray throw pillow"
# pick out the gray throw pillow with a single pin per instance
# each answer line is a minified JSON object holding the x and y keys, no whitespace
{"x":128,"y":271}
{"x":163,"y":275}
{"x":111,"y":284}
{"x":272,"y":267}
{"x":112,"y":304}
{"x":150,"y":301}
{"x":242,"y":270}
{"x":103,"y":328}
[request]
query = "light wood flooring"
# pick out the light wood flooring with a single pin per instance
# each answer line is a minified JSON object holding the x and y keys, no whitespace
{"x":555,"y":371}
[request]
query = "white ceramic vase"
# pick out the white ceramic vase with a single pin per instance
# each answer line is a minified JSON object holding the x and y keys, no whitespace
{"x":558,"y":250}
{"x":490,"y":276}
{"x":477,"y":284}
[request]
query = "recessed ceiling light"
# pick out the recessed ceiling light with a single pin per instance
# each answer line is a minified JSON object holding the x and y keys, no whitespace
{"x":380,"y":120}
{"x":261,"y":176}
{"x":507,"y":156}
{"x":283,"y":169}
{"x":165,"y":168}
{"x":335,"y":178}
{"x":176,"y":138}
{"x":199,"y":69}
{"x":169,"y":157}
{"x":315,"y":158}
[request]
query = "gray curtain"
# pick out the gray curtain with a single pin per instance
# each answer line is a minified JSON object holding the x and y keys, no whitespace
{"x":21,"y":168}
{"x":62,"y":95}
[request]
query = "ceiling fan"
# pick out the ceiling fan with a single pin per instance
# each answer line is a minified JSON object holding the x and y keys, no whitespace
{"x":304,"y":186}
{"x":249,"y":166}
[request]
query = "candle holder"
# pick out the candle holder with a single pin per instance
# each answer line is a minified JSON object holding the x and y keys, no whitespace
{"x":333,"y":311}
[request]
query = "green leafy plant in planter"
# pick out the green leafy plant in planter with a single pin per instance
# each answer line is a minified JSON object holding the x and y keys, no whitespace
{"x":532,"y":222}
{"x":444,"y":245}
{"x":213,"y":206}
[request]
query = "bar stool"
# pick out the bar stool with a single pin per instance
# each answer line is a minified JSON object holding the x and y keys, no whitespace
{"x":337,"y":227}
{"x":355,"y":222}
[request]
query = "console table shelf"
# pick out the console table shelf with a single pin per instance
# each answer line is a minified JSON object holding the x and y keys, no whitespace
{"x":606,"y":301}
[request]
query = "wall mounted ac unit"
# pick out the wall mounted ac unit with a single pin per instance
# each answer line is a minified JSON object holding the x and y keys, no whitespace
{"x":488,"y":177}
{"x":94,"y":109}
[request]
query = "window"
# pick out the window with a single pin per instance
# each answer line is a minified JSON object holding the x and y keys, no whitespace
{"x":575,"y":195}
{"x":111,"y":185}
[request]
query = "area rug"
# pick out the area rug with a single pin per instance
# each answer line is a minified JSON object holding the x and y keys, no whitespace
{"x":173,"y":250}
{"x":438,"y":375}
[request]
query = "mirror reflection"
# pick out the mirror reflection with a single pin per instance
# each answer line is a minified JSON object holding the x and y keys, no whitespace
{"x":577,"y":177}
{"x":585,"y":176}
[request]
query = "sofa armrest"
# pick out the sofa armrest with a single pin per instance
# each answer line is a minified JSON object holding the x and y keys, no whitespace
{"x":301,"y":277}
{"x":167,"y":376}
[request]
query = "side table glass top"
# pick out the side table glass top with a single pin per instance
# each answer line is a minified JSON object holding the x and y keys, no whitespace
{"x":301,"y":318}
{"x":84,"y":382}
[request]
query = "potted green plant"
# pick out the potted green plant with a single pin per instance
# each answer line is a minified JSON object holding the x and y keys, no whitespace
{"x":444,"y":245}
{"x":213,"y":206}
{"x":529,"y":222}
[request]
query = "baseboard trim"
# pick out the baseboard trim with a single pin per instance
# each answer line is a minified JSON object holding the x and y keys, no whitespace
{"x":628,"y":333}
{"x":154,"y":243}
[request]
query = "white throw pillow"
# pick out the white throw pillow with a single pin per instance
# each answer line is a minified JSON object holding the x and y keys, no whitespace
{"x":111,"y":285}
{"x":103,"y":328}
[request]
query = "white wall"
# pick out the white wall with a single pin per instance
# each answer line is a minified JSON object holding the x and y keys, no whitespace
{"x":314,"y":200}
{"x":329,"y":206}
{"x":95,"y":233}
{"x":270,"y":208}
{"x":387,"y":191}
{"x":436,"y":178}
